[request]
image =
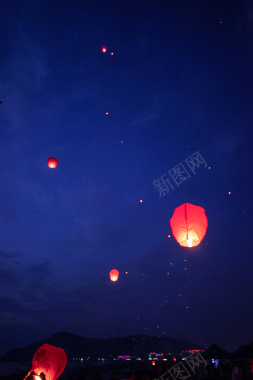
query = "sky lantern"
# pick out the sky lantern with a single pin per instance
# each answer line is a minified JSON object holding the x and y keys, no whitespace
{"x":104,"y":49}
{"x":52,"y":162}
{"x":49,"y":360}
{"x":189,"y":224}
{"x":114,"y":275}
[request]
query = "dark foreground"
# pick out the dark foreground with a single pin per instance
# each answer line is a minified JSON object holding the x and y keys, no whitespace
{"x":147,"y":371}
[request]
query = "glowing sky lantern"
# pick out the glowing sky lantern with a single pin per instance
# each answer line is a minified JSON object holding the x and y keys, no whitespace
{"x":52,"y":162}
{"x":49,"y":360}
{"x":114,"y":275}
{"x":104,"y":49}
{"x":189,"y":224}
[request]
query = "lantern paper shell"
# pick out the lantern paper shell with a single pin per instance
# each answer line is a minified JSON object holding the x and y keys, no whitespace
{"x":189,"y":224}
{"x":52,"y":162}
{"x":114,"y":275}
{"x":50,"y":360}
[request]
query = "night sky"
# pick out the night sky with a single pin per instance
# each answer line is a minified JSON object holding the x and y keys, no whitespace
{"x":179,"y":81}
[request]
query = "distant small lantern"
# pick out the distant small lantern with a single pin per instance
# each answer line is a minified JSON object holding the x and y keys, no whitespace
{"x":52,"y":162}
{"x":49,"y":360}
{"x":104,"y":49}
{"x":114,"y":275}
{"x":189,"y":224}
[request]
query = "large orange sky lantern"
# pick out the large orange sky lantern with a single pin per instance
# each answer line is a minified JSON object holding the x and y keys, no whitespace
{"x":189,"y":224}
{"x":114,"y":275}
{"x":52,"y":162}
{"x":49,"y":360}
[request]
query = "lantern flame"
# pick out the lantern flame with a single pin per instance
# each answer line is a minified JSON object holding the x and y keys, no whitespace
{"x":189,"y":242}
{"x":52,"y":162}
{"x":188,"y":225}
{"x":114,"y":275}
{"x":48,"y":360}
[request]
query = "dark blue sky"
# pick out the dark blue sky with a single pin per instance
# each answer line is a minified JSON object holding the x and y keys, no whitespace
{"x":179,"y":82}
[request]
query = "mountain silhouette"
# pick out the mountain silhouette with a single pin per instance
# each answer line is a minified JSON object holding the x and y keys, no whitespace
{"x":215,"y":352}
{"x":245,"y":351}
{"x":77,"y":346}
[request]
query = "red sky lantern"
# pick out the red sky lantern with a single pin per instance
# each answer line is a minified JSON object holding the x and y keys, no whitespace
{"x":189,"y":224}
{"x":52,"y":162}
{"x":50,"y":360}
{"x":114,"y":275}
{"x":104,"y":49}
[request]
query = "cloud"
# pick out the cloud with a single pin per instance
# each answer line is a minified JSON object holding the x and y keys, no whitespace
{"x":22,"y":283}
{"x":245,"y":20}
{"x":144,"y":119}
{"x":24,"y":73}
{"x":27,"y":63}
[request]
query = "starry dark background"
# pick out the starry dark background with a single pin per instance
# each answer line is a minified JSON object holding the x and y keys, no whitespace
{"x":179,"y":82}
